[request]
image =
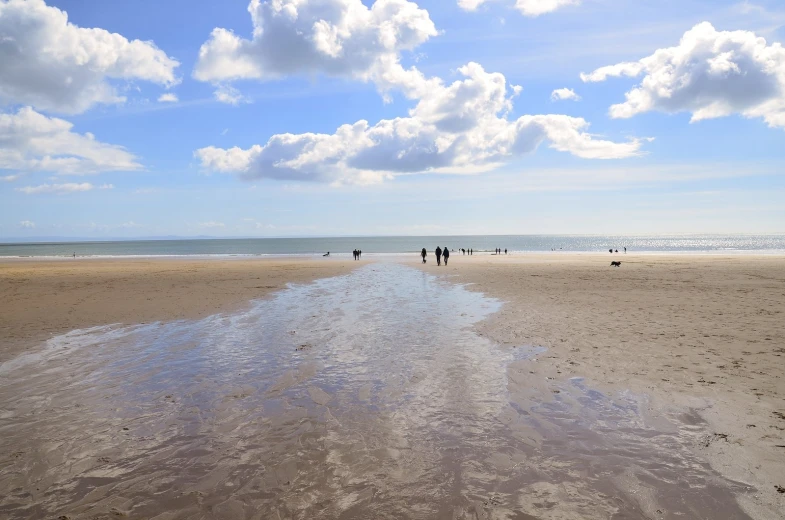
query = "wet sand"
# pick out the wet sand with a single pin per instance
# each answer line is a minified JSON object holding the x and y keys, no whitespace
{"x":701,"y":332}
{"x":391,"y":393}
{"x":41,"y":298}
{"x":368,"y":395}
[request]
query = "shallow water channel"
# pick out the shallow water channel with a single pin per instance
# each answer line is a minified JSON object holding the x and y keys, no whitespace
{"x":363,"y":396}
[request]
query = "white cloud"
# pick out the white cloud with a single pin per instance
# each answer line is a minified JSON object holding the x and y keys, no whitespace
{"x":709,"y":74}
{"x":211,"y":225}
{"x":230,"y":95}
{"x":69,"y":187}
{"x":562,"y":94}
{"x":168,"y":98}
{"x":333,"y":37}
{"x":470,"y":5}
{"x":30,"y":141}
{"x":10,"y":178}
{"x":129,"y":225}
{"x":49,"y":63}
{"x":457,"y":128}
{"x":27,"y":224}
{"x":538,"y":7}
{"x":526,"y":7}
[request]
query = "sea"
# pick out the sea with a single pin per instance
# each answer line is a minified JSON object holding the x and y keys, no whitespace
{"x":398,"y":245}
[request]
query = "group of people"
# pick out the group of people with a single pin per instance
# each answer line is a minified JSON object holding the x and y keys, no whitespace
{"x":440,"y":253}
{"x":357,"y":254}
{"x":611,"y":251}
{"x":444,"y":254}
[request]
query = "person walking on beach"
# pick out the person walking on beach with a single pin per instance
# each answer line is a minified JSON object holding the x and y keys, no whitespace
{"x":446,"y":255}
{"x":359,"y":254}
{"x":354,"y":254}
{"x":423,"y":254}
{"x":438,"y":255}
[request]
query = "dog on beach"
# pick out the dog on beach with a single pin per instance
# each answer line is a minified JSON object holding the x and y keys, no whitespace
{"x":615,"y":264}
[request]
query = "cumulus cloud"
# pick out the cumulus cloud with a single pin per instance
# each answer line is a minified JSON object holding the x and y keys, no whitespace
{"x":30,"y":141}
{"x":51,"y":64}
{"x":527,"y":7}
{"x":229,"y":95}
{"x":69,"y":187}
{"x":212,"y":225}
{"x":168,"y":98}
{"x":458,"y":128}
{"x":709,"y":74}
{"x":332,"y":37}
{"x":27,"y":224}
{"x":562,"y":94}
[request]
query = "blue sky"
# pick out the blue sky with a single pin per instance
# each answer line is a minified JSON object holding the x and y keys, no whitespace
{"x":463,"y":134}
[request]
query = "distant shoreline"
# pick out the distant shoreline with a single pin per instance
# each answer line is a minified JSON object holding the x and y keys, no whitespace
{"x":396,"y":255}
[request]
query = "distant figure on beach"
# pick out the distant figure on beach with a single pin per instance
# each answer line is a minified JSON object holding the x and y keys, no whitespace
{"x":354,"y":254}
{"x":625,"y":250}
{"x":505,"y":251}
{"x":446,"y":255}
{"x":326,"y":254}
{"x":610,"y":251}
{"x":617,"y":251}
{"x":74,"y":255}
{"x":423,"y":254}
{"x":438,"y":255}
{"x":471,"y":251}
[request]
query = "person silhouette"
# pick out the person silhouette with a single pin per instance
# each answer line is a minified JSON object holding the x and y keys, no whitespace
{"x":423,"y":254}
{"x":446,"y":255}
{"x":438,"y":255}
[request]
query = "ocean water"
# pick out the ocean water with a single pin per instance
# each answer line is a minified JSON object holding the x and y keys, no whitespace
{"x":401,"y":245}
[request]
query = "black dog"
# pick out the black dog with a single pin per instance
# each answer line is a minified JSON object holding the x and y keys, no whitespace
{"x":616,"y":264}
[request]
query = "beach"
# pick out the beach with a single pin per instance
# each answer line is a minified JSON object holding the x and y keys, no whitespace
{"x":690,"y":347}
{"x":43,"y":298}
{"x":705,"y":332}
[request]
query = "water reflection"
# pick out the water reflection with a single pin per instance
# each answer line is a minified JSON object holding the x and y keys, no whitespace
{"x":363,"y":396}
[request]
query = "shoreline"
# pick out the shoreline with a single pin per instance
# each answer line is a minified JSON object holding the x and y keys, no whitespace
{"x":342,"y":255}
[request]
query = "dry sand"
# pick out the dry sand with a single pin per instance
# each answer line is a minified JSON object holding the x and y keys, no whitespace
{"x":40,"y":299}
{"x":705,"y":332}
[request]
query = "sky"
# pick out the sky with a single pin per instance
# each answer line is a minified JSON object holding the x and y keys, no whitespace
{"x":142,"y":118}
